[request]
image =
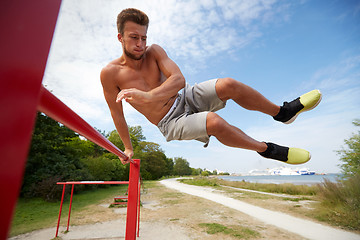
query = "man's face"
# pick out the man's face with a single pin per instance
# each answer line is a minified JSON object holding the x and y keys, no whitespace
{"x":134,"y":40}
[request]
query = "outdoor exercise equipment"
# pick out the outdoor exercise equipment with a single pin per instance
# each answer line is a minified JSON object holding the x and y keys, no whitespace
{"x":27,"y":29}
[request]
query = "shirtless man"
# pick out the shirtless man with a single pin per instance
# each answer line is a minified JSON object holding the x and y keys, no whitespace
{"x":146,"y":78}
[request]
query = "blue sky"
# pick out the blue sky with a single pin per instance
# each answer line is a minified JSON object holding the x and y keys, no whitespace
{"x":281,"y":48}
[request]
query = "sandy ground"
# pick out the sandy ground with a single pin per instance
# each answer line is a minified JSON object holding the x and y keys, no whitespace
{"x":305,"y":228}
{"x":175,"y":211}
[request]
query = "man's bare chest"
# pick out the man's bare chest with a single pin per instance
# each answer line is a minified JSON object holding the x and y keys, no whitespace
{"x":142,"y":80}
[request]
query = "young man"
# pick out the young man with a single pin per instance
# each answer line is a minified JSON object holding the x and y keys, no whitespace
{"x":149,"y":80}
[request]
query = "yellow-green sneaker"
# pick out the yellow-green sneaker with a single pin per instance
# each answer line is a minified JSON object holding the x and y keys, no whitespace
{"x":298,"y":156}
{"x":286,"y":154}
{"x":290,"y":110}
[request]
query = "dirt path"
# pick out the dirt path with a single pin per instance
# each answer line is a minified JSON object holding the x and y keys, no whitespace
{"x":166,"y":211}
{"x":305,"y":228}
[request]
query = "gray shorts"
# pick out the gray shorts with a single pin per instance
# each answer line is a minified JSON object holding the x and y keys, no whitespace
{"x":186,"y":120}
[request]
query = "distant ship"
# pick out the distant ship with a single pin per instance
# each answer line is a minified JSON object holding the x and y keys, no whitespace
{"x":305,"y":171}
{"x":283,"y":171}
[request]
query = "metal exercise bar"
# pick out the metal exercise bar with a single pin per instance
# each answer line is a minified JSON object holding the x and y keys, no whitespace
{"x":57,"y":110}
{"x":22,"y":66}
{"x":133,"y":224}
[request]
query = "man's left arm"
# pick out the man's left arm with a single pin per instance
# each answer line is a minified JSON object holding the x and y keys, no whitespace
{"x":175,"y":80}
{"x":170,"y":87}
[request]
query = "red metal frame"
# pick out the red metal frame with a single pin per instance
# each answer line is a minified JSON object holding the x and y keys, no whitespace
{"x":28,"y":28}
{"x":54,"y":108}
{"x":133,"y":224}
{"x":57,"y":110}
{"x":133,"y":201}
{"x":68,"y":222}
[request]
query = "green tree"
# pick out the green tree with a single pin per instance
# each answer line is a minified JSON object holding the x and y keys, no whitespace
{"x":101,"y":168}
{"x":54,"y":155}
{"x":181,"y":167}
{"x":136,"y":136}
{"x":196,"y":171}
{"x":153,"y":161}
{"x":115,"y":139}
{"x":351,"y":156}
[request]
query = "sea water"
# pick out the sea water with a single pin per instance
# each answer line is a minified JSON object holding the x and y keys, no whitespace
{"x":279,"y":179}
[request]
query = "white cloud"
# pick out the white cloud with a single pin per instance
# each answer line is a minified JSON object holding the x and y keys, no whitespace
{"x":192,"y":32}
{"x":85,"y":40}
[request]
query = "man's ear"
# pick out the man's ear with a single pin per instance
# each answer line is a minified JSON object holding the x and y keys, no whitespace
{"x":120,"y":37}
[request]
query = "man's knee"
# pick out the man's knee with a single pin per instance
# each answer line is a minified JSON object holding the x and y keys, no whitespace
{"x":226,"y":82}
{"x":225,"y":87}
{"x":214,"y":123}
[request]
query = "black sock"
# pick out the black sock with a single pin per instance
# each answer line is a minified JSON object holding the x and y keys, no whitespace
{"x":276,"y":152}
{"x":281,"y":115}
{"x":268,"y":150}
{"x":288,"y":110}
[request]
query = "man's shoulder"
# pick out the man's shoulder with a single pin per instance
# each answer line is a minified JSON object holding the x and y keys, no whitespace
{"x":154,"y":46}
{"x":114,"y":65}
{"x":111,"y":68}
{"x":155,"y":49}
{"x":108,"y":72}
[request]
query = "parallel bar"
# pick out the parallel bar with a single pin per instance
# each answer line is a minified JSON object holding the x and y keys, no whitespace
{"x":61,"y":204}
{"x":131,"y":216}
{"x":72,"y":193}
{"x":57,"y":110}
{"x":93,"y":182}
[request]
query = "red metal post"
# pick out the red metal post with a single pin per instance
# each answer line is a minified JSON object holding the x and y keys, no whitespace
{"x":72,"y":192}
{"x":131,"y":216}
{"x":138,"y":217}
{"x":61,"y":204}
{"x":27,"y":28}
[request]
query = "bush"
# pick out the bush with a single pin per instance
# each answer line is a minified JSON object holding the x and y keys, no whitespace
{"x":340,"y":202}
{"x":47,"y":189}
{"x":205,"y":173}
{"x":101,"y":168}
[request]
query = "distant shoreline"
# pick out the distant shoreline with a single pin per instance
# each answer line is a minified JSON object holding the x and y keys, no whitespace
{"x":280,"y":179}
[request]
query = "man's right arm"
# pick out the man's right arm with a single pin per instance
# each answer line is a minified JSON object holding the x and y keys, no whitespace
{"x":110,"y":92}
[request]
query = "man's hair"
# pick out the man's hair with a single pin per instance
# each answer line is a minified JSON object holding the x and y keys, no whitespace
{"x":133,"y":15}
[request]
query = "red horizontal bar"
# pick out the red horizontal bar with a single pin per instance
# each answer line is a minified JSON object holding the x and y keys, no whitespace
{"x":121,"y":197}
{"x":57,"y":110}
{"x":93,"y":182}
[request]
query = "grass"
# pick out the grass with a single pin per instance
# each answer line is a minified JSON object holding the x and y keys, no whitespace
{"x":235,"y":231}
{"x":338,"y":203}
{"x":200,"y":181}
{"x":34,"y":214}
{"x":286,"y":188}
{"x":297,"y":199}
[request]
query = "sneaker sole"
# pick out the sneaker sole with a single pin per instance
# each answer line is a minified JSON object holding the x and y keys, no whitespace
{"x":296,"y":115}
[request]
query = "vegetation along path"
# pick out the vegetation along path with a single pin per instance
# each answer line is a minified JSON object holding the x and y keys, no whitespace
{"x":305,"y":228}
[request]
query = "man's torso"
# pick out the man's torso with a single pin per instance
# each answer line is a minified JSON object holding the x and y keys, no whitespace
{"x":146,"y":78}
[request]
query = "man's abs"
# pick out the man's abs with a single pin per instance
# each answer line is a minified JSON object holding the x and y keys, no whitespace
{"x":154,"y":112}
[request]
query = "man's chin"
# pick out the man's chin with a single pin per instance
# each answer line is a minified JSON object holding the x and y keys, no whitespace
{"x":133,"y":56}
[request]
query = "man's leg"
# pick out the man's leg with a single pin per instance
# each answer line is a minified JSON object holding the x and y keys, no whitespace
{"x":230,"y":135}
{"x":245,"y":96}
{"x":233,"y":137}
{"x":249,"y":98}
